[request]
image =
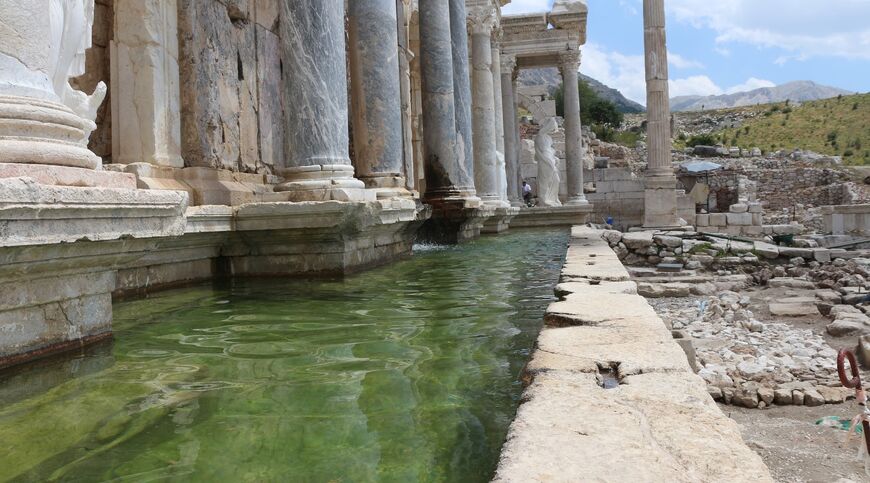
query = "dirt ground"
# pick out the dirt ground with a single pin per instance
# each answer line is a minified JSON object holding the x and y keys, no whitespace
{"x":787,"y":438}
{"x":795,"y":448}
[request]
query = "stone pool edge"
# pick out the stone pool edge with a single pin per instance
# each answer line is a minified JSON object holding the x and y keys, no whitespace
{"x":658,"y":424}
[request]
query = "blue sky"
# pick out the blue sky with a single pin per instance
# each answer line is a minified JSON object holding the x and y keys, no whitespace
{"x":722,"y":46}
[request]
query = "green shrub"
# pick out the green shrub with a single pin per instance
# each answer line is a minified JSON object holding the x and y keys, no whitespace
{"x":701,"y":140}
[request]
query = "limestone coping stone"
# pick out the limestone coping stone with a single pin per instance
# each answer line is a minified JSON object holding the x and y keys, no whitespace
{"x":580,"y":309}
{"x":37,"y":214}
{"x":68,"y":176}
{"x":654,"y":427}
{"x":587,"y":288}
{"x":658,"y":424}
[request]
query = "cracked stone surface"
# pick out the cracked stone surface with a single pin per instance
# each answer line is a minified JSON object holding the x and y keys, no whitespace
{"x":657,"y":424}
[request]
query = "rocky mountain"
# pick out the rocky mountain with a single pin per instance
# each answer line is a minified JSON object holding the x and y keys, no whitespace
{"x":552,"y":79}
{"x":799,"y":91}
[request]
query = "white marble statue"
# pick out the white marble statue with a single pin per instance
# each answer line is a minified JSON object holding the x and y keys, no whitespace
{"x":71,"y":24}
{"x":502,"y":176}
{"x":548,"y":168}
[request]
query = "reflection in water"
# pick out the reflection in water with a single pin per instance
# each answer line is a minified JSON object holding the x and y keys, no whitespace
{"x":405,"y":373}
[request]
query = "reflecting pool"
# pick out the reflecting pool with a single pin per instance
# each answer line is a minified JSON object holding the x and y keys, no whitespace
{"x":404,"y":373}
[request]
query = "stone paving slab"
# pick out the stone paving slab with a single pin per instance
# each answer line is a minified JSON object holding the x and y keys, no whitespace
{"x":657,"y":424}
{"x":583,"y":309}
{"x":584,"y":287}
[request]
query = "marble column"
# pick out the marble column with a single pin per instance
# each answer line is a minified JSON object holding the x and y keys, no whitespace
{"x":574,"y":151}
{"x":446,"y":176}
{"x":376,"y":95}
{"x":462,"y":85}
{"x":660,"y":207}
{"x":43,"y":120}
{"x":499,"y":116}
{"x":403,"y":9}
{"x":497,"y":95}
{"x":146,"y":109}
{"x":511,"y":142}
{"x":481,"y":21}
{"x":315,"y":84}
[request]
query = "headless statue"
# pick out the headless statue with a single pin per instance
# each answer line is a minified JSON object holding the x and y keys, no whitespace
{"x":548,"y":169}
{"x":502,"y":176}
{"x":71,"y":25}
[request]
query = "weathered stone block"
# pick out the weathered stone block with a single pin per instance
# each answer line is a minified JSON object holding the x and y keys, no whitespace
{"x":739,"y":208}
{"x":718,"y":219}
{"x":739,"y":219}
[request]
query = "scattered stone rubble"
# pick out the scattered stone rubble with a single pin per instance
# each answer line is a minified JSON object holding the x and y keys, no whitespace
{"x":747,"y":361}
{"x":752,"y":364}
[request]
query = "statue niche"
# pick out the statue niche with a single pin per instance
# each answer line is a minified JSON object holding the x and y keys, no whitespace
{"x":548,"y":169}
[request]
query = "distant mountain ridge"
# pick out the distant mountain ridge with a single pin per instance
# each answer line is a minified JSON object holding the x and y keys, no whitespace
{"x":798,"y":91}
{"x":551,"y":78}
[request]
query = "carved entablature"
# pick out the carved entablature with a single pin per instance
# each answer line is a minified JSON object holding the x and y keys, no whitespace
{"x":541,"y":39}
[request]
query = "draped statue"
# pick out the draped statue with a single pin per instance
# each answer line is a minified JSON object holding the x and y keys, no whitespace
{"x":71,"y":24}
{"x":548,"y":168}
{"x":502,"y":176}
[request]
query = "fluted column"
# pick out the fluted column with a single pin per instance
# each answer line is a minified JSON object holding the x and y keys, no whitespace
{"x":146,"y":93}
{"x":660,"y":207}
{"x":43,"y":120}
{"x":481,"y":21}
{"x":446,"y":177}
{"x":315,"y":85}
{"x":461,"y":85}
{"x":499,"y":115}
{"x":574,"y":151}
{"x":376,"y":95}
{"x":511,"y":142}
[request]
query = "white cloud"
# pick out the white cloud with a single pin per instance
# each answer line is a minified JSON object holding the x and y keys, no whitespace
{"x":804,"y":28}
{"x":751,"y":84}
{"x":701,"y":85}
{"x":619,"y":71}
{"x":698,"y":85}
{"x":680,"y":62}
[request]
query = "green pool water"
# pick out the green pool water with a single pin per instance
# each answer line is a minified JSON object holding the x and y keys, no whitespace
{"x":405,"y":373}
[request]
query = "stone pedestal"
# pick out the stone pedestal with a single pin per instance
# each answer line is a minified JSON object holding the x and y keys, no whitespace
{"x":376,"y":96}
{"x":453,"y":223}
{"x":539,"y":216}
{"x":660,"y":202}
{"x":315,"y":84}
{"x":574,"y":150}
{"x":500,"y":220}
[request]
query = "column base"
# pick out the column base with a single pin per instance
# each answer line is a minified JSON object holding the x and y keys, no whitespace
{"x":34,"y":131}
{"x":387,"y":187}
{"x":577,"y":201}
{"x":324,"y":183}
{"x":660,"y":202}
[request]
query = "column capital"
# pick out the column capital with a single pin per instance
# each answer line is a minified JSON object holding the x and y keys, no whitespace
{"x":482,"y":20}
{"x":570,"y":60}
{"x":508,"y":63}
{"x":497,"y":34}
